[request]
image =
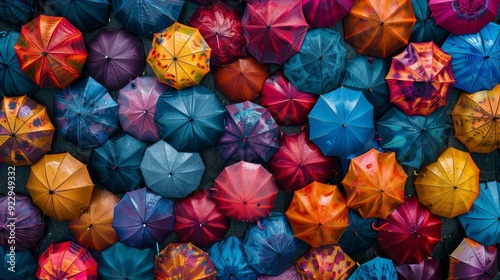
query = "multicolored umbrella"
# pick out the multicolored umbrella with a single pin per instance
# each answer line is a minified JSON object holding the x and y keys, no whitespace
{"x":124,"y":262}
{"x":428,"y":269}
{"x":359,"y":235}
{"x":377,"y":268}
{"x":289,"y":274}
{"x":83,"y":14}
{"x":17,"y":12}
{"x":326,"y":13}
{"x":472,"y":260}
{"x":24,"y":265}
{"x":229,"y":261}
{"x":426,"y":29}
{"x":326,"y":262}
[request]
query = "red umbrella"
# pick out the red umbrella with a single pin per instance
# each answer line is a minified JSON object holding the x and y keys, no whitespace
{"x":326,"y":13}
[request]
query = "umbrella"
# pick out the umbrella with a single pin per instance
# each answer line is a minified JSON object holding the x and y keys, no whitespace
{"x":319,"y":65}
{"x":341,"y":122}
{"x":115,"y":57}
{"x":124,"y":262}
{"x":83,"y":14}
{"x":198,"y":220}
{"x":359,"y":235}
{"x":289,"y":274}
{"x":476,"y":120}
{"x":142,"y":218}
{"x":85,"y":114}
{"x":171,"y":173}
{"x":66,"y":260}
{"x":449,"y":186}
{"x":22,"y":267}
{"x":60,"y":186}
{"x":245,"y":191}
{"x":410,"y":233}
{"x":14,"y":82}
{"x":183,"y":261}
{"x":270,"y":248}
{"x":321,"y":13}
{"x":417,"y":140}
{"x":298,"y":162}
{"x":428,"y":269}
{"x":472,"y":260}
{"x":318,"y":214}
{"x":251,"y":134}
{"x":205,"y":2}
{"x":274,"y":30}
{"x":17,"y":11}
{"x":21,"y":225}
{"x":481,"y":223}
{"x":137,"y":107}
{"x":145,"y":17}
{"x":220,"y":25}
{"x":377,"y":268}
{"x":179,"y":56}
{"x":25,"y":131}
{"x":287,"y":105}
{"x":374,"y":184}
{"x":115,"y":165}
{"x":191,"y":119}
{"x":241,"y":80}
{"x":326,"y":262}
{"x":51,"y":51}
{"x":426,"y":29}
{"x":476,"y":57}
{"x":229,"y":261}
{"x":379,"y":28}
{"x":93,"y":229}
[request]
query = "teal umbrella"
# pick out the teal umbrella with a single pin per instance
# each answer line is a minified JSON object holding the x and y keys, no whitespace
{"x":124,"y":262}
{"x":17,"y":12}
{"x":229,"y":261}
{"x":22,"y":266}
{"x":86,"y":15}
{"x":426,"y":29}
{"x":375,"y":269}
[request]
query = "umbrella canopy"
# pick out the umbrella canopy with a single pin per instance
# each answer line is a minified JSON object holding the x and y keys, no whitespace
{"x":472,"y":260}
{"x":476,"y":120}
{"x":26,"y":131}
{"x":198,"y":220}
{"x":374,"y":269}
{"x":183,"y":261}
{"x":115,"y":57}
{"x":145,"y":17}
{"x":93,"y":229}
{"x":124,"y":262}
{"x":374,"y":184}
{"x":60,"y":185}
{"x":420,"y":79}
{"x":379,"y":28}
{"x":319,"y":65}
{"x":85,"y":113}
{"x":179,"y":56}
{"x":321,"y":13}
{"x":66,"y":260}
{"x":83,"y":14}
{"x":426,"y":29}
{"x":274,"y":30}
{"x":245,"y":191}
{"x":359,"y":235}
{"x":289,"y":274}
{"x":298,"y":162}
{"x":24,"y":265}
{"x":205,"y":2}
{"x":142,"y":218}
{"x":417,"y":140}
{"x":481,"y":223}
{"x":449,"y":186}
{"x":475,"y":58}
{"x":191,"y":119}
{"x":326,"y":262}
{"x":17,"y":11}
{"x":341,"y":122}
{"x":51,"y":51}
{"x":428,"y":269}
{"x":318,"y":214}
{"x":251,"y":134}
{"x":220,"y":25}
{"x":229,"y":261}
{"x":171,"y":173}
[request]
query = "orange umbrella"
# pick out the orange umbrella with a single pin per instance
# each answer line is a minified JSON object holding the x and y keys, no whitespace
{"x":375,"y":184}
{"x":93,"y":229}
{"x":449,"y":186}
{"x":318,"y":214}
{"x":60,"y":186}
{"x":379,"y":28}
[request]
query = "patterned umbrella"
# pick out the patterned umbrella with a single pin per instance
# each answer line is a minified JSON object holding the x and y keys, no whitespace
{"x":374,"y":269}
{"x":124,"y":262}
{"x":326,"y":13}
{"x":327,"y":262}
{"x":229,"y":261}
{"x":183,"y":261}
{"x":472,"y":260}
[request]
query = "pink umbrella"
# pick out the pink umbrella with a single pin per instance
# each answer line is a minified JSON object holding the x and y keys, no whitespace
{"x":326,"y":13}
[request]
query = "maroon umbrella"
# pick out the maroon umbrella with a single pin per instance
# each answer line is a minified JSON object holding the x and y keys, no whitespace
{"x":115,"y":57}
{"x":428,"y":269}
{"x":472,"y":260}
{"x":326,"y":13}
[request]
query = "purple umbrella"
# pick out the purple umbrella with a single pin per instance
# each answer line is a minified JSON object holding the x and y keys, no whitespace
{"x":428,"y":269}
{"x":289,"y":274}
{"x":115,"y":57}
{"x":472,"y":260}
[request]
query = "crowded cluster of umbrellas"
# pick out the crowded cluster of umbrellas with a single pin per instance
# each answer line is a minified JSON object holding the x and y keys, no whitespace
{"x":295,"y":103}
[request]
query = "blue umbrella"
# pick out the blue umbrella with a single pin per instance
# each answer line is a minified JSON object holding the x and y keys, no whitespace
{"x":124,"y":262}
{"x":425,"y":29}
{"x":86,"y":15}
{"x":229,"y":261}
{"x":17,"y":12}
{"x":341,"y":122}
{"x":375,"y":269}
{"x":17,"y":265}
{"x":359,"y":236}
{"x":482,"y":223}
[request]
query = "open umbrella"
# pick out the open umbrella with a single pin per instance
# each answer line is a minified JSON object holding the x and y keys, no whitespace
{"x":318,"y":214}
{"x":341,"y":122}
{"x":326,"y":13}
{"x":420,"y":79}
{"x":417,"y":140}
{"x":449,"y":186}
{"x":374,"y":269}
{"x":205,"y":2}
{"x":24,"y":265}
{"x":289,"y":274}
{"x":26,"y":131}
{"x":319,"y":65}
{"x":142,"y":218}
{"x":17,"y":11}
{"x":472,"y":260}
{"x":326,"y":262}
{"x":426,"y":29}
{"x":124,"y":262}
{"x":115,"y":57}
{"x":60,"y":186}
{"x":428,"y":269}
{"x":51,"y":51}
{"x":179,"y":56}
{"x":191,"y":119}
{"x":274,"y":30}
{"x":171,"y":173}
{"x":379,"y":28}
{"x":251,"y":134}
{"x":359,"y":235}
{"x":83,"y":14}
{"x":229,"y":261}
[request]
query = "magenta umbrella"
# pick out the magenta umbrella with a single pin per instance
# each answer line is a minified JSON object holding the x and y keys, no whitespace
{"x":326,"y":13}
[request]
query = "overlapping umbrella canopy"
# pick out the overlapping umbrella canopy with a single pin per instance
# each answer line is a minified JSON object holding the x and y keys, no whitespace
{"x":229,"y":260}
{"x":83,"y":14}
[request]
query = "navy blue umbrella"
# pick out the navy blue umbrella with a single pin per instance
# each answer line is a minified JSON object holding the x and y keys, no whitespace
{"x":17,"y":12}
{"x":359,"y":236}
{"x":16,"y":265}
{"x":86,"y":15}
{"x":229,"y":261}
{"x":124,"y":262}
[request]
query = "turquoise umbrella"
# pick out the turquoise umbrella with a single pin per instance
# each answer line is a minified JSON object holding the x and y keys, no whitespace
{"x":124,"y":262}
{"x":375,"y":269}
{"x":229,"y":261}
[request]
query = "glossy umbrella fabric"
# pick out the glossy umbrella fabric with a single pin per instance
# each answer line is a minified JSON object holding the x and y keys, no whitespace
{"x":183,"y":261}
{"x":17,"y":12}
{"x":377,"y":268}
{"x":24,"y":263}
{"x":426,"y":29}
{"x":85,"y":15}
{"x":428,"y":269}
{"x":359,"y":235}
{"x":325,"y":13}
{"x":472,"y":260}
{"x":125,"y":262}
{"x":326,"y":262}
{"x":229,"y":261}
{"x":51,"y":51}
